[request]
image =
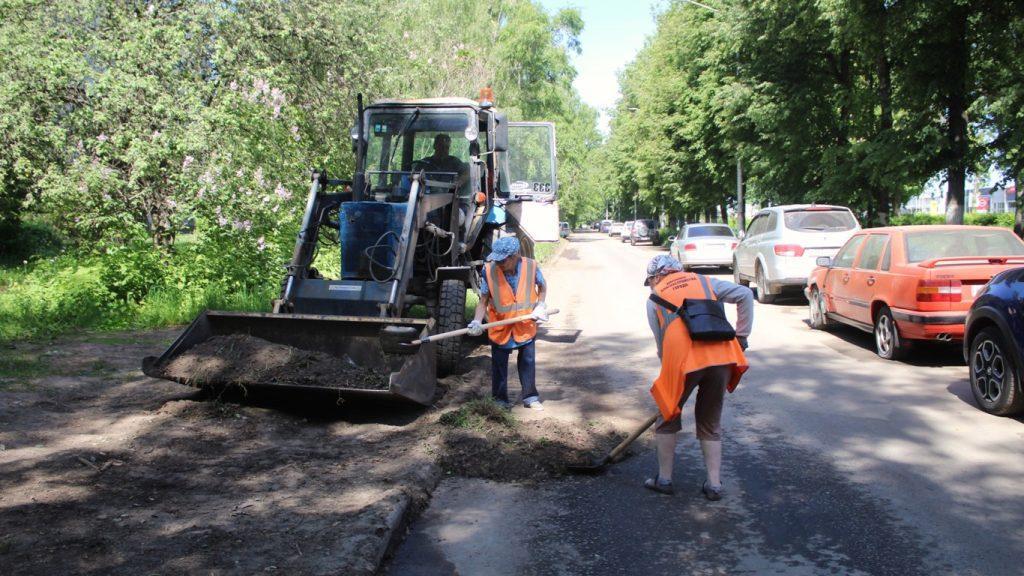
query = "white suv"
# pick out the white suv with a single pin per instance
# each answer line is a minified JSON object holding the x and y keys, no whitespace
{"x":782,"y":244}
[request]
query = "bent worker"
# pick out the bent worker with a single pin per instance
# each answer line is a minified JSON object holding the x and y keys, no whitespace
{"x":709,"y":366}
{"x":512,"y":287}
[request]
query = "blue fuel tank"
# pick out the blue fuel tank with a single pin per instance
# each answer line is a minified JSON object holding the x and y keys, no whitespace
{"x":369,"y":229}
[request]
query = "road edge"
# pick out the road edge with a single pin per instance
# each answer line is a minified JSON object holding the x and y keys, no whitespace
{"x":415,"y":498}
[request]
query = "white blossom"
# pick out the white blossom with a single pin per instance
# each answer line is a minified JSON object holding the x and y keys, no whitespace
{"x":282,"y":192}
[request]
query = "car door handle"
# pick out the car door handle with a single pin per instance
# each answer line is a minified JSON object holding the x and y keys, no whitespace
{"x":871,"y":281}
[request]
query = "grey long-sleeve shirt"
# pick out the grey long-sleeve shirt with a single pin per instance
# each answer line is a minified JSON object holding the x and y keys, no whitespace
{"x":725,"y":291}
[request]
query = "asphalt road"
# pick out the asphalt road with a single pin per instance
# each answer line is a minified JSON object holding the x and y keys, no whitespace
{"x":836,"y":461}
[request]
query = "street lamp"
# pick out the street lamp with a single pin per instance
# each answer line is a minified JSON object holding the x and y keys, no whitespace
{"x":741,"y":206}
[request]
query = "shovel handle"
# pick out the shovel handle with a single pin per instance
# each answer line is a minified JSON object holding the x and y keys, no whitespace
{"x":618,"y":450}
{"x":461,"y":331}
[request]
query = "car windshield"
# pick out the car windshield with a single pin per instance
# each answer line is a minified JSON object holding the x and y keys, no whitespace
{"x":820,"y":220}
{"x":703,"y":231}
{"x":959,"y":243}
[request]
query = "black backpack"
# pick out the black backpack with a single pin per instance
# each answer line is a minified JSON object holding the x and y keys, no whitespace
{"x":704,"y":318}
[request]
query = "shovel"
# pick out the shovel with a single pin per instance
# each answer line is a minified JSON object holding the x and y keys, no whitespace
{"x":598,"y":466}
{"x":396,"y":341}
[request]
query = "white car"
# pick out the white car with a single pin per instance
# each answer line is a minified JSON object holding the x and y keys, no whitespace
{"x":615,"y":229}
{"x":704,"y":245}
{"x":627,"y":229}
{"x":783,"y":243}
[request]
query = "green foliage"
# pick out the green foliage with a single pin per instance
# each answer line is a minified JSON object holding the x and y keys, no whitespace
{"x":543,"y":251}
{"x":849,"y":102}
{"x":168,"y":145}
{"x":974,"y":219}
{"x":476,"y":413}
{"x":54,"y":298}
{"x":665,"y":233}
{"x":131,"y":270}
{"x":917,"y":219}
{"x":989,"y":219}
{"x":21,"y":242}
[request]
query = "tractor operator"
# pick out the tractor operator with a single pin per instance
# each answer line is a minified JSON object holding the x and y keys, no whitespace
{"x":710,"y":367}
{"x":442,"y":161}
{"x":512,"y":287}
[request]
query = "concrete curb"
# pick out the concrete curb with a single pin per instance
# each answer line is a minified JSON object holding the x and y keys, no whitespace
{"x":415,"y":498}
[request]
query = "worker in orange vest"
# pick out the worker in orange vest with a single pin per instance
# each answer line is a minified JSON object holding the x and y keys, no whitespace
{"x":512,"y":287}
{"x":709,"y":366}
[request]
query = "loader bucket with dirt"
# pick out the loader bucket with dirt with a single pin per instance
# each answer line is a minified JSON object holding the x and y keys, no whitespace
{"x":337,"y":354}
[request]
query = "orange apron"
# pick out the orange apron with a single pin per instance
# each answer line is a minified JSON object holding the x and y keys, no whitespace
{"x":679,"y":354}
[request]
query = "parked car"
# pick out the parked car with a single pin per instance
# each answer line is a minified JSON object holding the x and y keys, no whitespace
{"x":994,"y":344}
{"x":782,"y":243}
{"x":644,"y":231}
{"x":563,"y":229}
{"x":605,"y":226}
{"x":615,"y":229}
{"x":704,"y":245}
{"x":627,"y":229}
{"x":908,"y":283}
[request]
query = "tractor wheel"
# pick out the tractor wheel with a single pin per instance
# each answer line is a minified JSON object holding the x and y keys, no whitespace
{"x":451,"y":315}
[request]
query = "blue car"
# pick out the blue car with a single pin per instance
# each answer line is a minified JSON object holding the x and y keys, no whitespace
{"x":993,"y":339}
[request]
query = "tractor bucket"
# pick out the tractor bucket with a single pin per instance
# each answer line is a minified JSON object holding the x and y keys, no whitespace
{"x":300,"y":352}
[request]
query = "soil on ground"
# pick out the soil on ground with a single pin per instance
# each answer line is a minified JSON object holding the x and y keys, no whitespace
{"x":106,"y":471}
{"x":483,"y":440}
{"x":245,"y":360}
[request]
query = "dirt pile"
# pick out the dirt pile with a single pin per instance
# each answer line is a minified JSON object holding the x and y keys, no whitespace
{"x":482,"y":440}
{"x":246,"y":360}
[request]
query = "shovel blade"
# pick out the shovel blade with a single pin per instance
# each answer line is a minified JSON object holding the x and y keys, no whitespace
{"x":594,"y":467}
{"x":396,"y":339}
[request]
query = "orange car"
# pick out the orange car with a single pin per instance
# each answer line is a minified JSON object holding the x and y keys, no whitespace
{"x":907,"y":283}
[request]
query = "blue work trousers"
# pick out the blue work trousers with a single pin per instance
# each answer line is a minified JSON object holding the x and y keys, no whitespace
{"x":526,"y":363}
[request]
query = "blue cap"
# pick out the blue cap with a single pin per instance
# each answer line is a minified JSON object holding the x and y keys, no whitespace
{"x":662,"y":264}
{"x":503,"y":248}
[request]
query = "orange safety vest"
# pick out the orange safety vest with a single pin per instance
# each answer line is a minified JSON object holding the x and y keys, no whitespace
{"x":506,"y":303}
{"x":679,"y":354}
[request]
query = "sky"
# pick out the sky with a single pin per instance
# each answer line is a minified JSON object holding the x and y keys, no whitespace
{"x":613,"y":33}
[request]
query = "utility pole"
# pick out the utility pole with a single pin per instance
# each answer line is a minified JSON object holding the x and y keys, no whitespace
{"x":741,"y":203}
{"x":635,"y":196}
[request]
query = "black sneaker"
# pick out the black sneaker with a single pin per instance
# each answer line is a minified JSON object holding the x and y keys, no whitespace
{"x":713,"y":494}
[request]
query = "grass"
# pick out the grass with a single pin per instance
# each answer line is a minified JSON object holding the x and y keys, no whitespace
{"x":543,"y":251}
{"x":476,"y":413}
{"x":46,"y":305}
{"x":15,"y":365}
{"x":171,"y":307}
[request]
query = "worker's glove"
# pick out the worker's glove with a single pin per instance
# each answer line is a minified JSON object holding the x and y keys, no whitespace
{"x":540,"y":313}
{"x":475,"y":328}
{"x":743,"y":342}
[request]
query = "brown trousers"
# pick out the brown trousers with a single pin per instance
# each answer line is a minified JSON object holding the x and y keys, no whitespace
{"x":710,"y":384}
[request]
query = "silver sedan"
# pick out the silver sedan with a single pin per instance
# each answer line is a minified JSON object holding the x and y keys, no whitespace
{"x":704,"y":245}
